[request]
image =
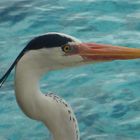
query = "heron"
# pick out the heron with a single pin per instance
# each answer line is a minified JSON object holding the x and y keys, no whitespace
{"x":54,"y":51}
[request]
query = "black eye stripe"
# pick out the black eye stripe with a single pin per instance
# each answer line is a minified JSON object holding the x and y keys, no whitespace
{"x":44,"y":41}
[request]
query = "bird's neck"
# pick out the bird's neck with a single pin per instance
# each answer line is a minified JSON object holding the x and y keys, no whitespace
{"x":33,"y":103}
{"x":28,"y":72}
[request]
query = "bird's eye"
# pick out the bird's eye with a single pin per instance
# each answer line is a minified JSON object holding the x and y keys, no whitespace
{"x":66,"y":48}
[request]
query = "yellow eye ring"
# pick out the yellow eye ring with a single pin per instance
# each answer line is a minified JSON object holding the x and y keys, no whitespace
{"x":66,"y":48}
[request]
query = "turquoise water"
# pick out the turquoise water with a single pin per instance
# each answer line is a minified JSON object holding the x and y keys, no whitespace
{"x":105,"y":96}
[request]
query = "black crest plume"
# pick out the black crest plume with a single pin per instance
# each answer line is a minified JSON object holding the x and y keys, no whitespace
{"x":43,"y":41}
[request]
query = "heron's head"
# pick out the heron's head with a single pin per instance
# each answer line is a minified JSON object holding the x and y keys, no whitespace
{"x":61,"y":51}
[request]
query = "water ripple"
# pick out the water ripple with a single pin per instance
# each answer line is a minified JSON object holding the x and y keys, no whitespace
{"x":104,"y":96}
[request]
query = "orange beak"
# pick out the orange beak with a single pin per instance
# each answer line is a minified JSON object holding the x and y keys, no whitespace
{"x":102,"y":52}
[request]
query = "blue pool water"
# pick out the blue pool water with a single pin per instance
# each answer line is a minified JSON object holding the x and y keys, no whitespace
{"x":104,"y":96}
